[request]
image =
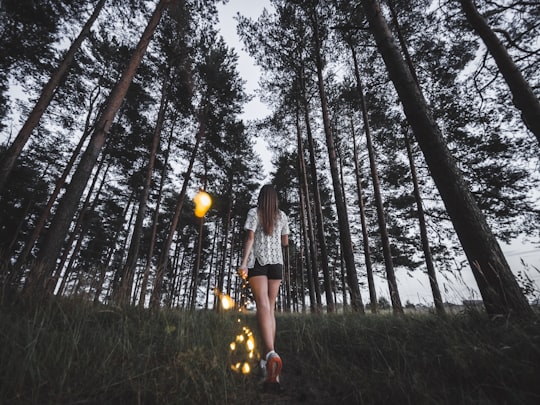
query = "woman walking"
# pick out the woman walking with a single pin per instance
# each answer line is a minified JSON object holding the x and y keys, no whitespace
{"x":267,"y":231}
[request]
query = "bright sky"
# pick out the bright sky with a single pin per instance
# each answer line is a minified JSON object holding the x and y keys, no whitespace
{"x":249,"y":72}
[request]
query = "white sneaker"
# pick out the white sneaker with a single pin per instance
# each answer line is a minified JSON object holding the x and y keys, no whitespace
{"x":262,"y":368}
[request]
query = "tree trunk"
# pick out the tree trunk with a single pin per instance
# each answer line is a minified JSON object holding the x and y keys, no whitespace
{"x":385,"y":240}
{"x":126,"y":281}
{"x":437,"y":298}
{"x":173,"y":276}
{"x":287,"y":279}
{"x":118,"y":262}
{"x":83,"y":229}
{"x":196,"y":267}
{"x":213,"y":264}
{"x":307,"y":253}
{"x":344,"y":229}
{"x":522,"y":94}
{"x":68,"y":205}
{"x":401,"y":39}
{"x":225,"y":237}
{"x":80,"y":227}
{"x":220,"y":276}
{"x":343,"y":279}
{"x":497,"y":284}
{"x":101,"y":280}
{"x":305,"y":207}
{"x":365,"y":235}
{"x":58,"y":187}
{"x":164,"y":259}
{"x":153,"y":233}
{"x":11,"y":155}
{"x":321,"y":236}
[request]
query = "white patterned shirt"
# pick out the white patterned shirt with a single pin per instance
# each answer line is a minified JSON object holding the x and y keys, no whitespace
{"x":266,"y":248}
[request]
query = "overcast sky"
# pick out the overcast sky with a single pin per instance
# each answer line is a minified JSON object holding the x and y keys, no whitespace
{"x":246,"y":66}
{"x":249,"y":72}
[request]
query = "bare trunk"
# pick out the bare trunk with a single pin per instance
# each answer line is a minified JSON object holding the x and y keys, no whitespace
{"x":307,"y":254}
{"x":344,"y":228}
{"x":437,"y":298}
{"x":439,"y":306}
{"x":385,"y":240}
{"x":321,"y":237}
{"x":163,"y":262}
{"x":101,"y":279}
{"x":196,"y":267}
{"x":365,"y":235}
{"x":213,"y":260}
{"x":225,"y":237}
{"x":79,"y":228}
{"x":309,"y":237}
{"x":126,"y":282}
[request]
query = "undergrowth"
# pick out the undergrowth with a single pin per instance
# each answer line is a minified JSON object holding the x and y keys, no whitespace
{"x":72,"y":352}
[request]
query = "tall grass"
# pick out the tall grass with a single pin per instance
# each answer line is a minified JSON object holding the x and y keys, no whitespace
{"x":71,"y":352}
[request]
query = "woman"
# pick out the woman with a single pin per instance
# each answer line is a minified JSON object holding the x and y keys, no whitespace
{"x":267,"y":231}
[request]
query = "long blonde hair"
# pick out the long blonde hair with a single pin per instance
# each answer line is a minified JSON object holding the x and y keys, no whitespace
{"x":267,"y":208}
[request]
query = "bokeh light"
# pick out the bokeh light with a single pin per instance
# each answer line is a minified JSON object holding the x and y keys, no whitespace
{"x":243,"y":351}
{"x":203,"y":202}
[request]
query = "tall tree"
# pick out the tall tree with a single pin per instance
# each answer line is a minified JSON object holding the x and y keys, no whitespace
{"x":60,"y":183}
{"x":155,"y":298}
{"x":124,"y":293}
{"x":523,"y":95}
{"x":499,"y":289}
{"x":388,"y":261}
{"x":365,"y":235}
{"x":9,"y":157}
{"x":428,"y":257}
{"x":344,"y":228}
{"x":60,"y":223}
{"x":321,"y":234}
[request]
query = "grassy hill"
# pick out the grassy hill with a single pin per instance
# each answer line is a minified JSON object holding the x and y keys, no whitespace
{"x":72,"y":352}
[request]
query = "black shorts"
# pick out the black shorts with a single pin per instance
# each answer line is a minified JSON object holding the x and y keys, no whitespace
{"x":272,"y":271}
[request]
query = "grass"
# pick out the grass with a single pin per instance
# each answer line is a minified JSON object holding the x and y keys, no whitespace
{"x":72,"y":352}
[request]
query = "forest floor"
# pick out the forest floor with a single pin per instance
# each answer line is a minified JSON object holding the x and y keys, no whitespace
{"x":67,"y":351}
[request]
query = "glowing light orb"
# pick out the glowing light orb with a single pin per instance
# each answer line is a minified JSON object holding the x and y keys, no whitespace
{"x":227,"y":302}
{"x":250,"y":344}
{"x":243,"y":352}
{"x":203,"y":202}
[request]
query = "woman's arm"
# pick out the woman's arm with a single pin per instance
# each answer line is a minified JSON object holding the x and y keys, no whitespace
{"x":285,"y":240}
{"x":250,"y":237}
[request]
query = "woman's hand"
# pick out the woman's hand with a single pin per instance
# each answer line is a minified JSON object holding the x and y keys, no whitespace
{"x":243,"y":271}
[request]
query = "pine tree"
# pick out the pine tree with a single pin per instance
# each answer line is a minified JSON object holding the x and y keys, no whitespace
{"x":9,"y":157}
{"x":497,"y":285}
{"x":59,"y":226}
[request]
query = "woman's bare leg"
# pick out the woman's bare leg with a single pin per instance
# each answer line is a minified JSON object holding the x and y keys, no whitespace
{"x":265,"y":292}
{"x":273,"y":290}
